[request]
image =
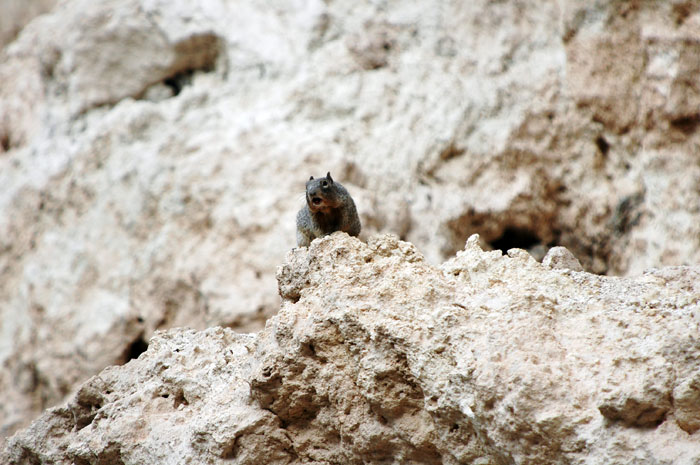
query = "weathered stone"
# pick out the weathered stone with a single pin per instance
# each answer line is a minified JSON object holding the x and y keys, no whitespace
{"x":561,"y":259}
{"x":17,"y":13}
{"x":686,"y":402}
{"x":377,"y":356}
{"x":153,"y":153}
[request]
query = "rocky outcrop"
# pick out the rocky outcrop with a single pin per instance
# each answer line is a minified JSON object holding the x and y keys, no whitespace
{"x":153,"y":155}
{"x":378,"y":356}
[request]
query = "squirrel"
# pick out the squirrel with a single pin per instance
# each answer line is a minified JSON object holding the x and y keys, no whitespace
{"x":328,"y":208}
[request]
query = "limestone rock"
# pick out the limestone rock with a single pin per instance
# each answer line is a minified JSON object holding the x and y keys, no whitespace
{"x":561,"y":259}
{"x":378,"y":356}
{"x":97,"y":53}
{"x":686,"y":401}
{"x":153,"y":154}
{"x":17,"y":13}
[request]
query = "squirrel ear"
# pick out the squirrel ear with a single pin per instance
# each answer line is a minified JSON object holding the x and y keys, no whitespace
{"x":311,"y":178}
{"x":328,"y":176}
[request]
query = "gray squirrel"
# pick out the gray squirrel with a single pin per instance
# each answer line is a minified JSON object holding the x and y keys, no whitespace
{"x":328,"y":208}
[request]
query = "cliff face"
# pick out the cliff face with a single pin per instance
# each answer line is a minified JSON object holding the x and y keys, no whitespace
{"x":153,"y":154}
{"x":378,"y":357}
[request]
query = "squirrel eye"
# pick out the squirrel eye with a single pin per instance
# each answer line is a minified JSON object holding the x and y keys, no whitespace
{"x":324,"y":184}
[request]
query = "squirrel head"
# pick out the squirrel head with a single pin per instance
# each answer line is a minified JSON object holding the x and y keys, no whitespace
{"x":322,"y":194}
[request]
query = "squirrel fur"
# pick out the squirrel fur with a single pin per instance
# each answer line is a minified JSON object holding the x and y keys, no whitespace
{"x":328,"y":208}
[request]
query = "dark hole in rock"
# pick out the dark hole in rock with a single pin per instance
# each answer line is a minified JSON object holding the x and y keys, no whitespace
{"x":602,"y":145}
{"x":5,"y":142}
{"x":687,"y":124}
{"x":199,"y":52}
{"x":515,"y":238}
{"x":179,"y":81}
{"x":136,"y":348}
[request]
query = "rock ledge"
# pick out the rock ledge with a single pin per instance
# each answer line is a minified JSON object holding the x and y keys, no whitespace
{"x":377,"y":356}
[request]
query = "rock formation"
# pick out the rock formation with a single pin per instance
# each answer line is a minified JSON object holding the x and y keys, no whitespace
{"x":153,"y":154}
{"x":378,"y":357}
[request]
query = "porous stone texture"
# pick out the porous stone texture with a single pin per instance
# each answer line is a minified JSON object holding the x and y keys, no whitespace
{"x":560,"y":258}
{"x":153,"y":155}
{"x":376,"y":356}
{"x":17,"y":13}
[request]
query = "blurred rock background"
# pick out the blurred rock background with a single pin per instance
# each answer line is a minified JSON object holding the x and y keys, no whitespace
{"x":153,"y":153}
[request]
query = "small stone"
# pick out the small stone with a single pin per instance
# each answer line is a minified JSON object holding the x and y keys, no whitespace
{"x":686,"y":401}
{"x":559,"y":258}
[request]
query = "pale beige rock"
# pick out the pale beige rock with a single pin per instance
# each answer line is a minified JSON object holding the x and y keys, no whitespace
{"x":560,"y":258}
{"x":17,"y":13}
{"x":87,"y":54}
{"x":377,"y":356}
{"x":686,"y":401}
{"x":153,"y":155}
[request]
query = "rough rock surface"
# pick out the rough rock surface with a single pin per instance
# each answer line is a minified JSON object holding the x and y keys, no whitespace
{"x":17,"y":13}
{"x":560,"y":258}
{"x":153,"y":154}
{"x":378,"y":357}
